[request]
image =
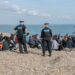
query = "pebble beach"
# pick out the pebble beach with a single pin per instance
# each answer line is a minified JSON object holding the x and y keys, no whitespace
{"x":33,"y":63}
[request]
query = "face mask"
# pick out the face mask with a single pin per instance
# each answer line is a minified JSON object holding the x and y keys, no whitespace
{"x":22,"y":23}
{"x":46,"y":26}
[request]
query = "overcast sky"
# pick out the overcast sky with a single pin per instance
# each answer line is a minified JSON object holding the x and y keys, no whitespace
{"x":37,"y":11}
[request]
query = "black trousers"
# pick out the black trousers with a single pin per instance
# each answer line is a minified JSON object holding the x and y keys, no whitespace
{"x":46,"y":45}
{"x":22,"y":44}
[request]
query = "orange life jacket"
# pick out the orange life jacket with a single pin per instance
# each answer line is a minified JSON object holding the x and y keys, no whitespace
{"x":1,"y":45}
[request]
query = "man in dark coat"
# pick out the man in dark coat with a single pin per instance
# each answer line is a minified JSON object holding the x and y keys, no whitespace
{"x":46,"y":35}
{"x":21,"y":33}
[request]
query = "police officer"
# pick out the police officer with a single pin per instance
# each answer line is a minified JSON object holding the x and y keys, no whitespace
{"x":46,"y":35}
{"x":21,"y":33}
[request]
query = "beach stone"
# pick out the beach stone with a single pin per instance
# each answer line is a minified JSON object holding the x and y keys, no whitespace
{"x":33,"y":63}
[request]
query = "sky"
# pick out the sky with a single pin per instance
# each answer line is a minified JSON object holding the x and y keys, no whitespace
{"x":37,"y":11}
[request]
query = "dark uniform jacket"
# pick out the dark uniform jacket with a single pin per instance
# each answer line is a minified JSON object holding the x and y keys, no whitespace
{"x":46,"y":33}
{"x":20,"y":30}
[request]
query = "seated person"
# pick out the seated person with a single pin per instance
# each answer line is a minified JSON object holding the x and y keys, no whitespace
{"x":70,"y":43}
{"x":55,"y":44}
{"x":12,"y":42}
{"x":6,"y":44}
{"x":64,"y":42}
{"x":33,"y":42}
{"x":1,"y":46}
{"x":1,"y":37}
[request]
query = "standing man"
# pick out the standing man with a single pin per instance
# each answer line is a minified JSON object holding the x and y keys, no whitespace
{"x":21,"y":33}
{"x":46,"y":35}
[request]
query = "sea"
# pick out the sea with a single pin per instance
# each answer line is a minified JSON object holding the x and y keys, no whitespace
{"x":36,"y":29}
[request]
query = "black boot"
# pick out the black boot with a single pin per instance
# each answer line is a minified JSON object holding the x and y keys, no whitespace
{"x":49,"y":55}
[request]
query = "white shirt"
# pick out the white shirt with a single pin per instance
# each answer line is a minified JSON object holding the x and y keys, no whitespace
{"x":55,"y":45}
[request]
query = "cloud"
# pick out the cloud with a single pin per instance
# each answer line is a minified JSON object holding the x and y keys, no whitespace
{"x":65,"y":17}
{"x":7,"y":6}
{"x":6,"y":2}
{"x":46,"y":15}
{"x":16,"y":8}
{"x":24,"y":10}
{"x":33,"y":12}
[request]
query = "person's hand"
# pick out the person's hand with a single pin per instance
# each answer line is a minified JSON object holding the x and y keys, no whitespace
{"x":28,"y":33}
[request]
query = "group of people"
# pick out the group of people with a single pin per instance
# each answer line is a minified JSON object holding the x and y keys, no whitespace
{"x":63,"y":42}
{"x":47,"y":41}
{"x":7,"y":42}
{"x":46,"y":35}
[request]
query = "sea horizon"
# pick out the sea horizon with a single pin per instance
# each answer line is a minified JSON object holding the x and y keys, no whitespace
{"x":36,"y":29}
{"x":35,"y":24}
